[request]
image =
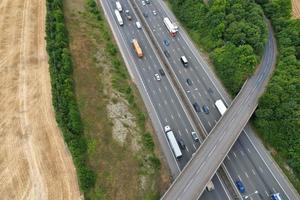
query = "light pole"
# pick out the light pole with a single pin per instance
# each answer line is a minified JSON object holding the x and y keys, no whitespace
{"x":249,"y":195}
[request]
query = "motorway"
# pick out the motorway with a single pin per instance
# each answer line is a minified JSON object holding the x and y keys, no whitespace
{"x":160,"y":97}
{"x":244,"y":161}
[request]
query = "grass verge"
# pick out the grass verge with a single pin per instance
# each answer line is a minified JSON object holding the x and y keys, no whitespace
{"x":121,"y":150}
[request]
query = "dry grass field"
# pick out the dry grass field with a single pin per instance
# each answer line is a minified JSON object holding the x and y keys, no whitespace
{"x":34,"y":161}
{"x":296,"y":8}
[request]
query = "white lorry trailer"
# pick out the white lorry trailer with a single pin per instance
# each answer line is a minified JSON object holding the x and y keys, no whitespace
{"x":119,"y":18}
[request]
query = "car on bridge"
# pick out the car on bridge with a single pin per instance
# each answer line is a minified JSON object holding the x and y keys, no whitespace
{"x":240,"y":186}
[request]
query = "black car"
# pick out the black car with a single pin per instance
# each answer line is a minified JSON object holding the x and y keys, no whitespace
{"x":161,"y":71}
{"x":166,"y":53}
{"x":181,"y":144}
{"x":189,"y":82}
{"x":205,"y":109}
{"x":147,"y":1}
{"x":145,"y":14}
{"x":196,"y":107}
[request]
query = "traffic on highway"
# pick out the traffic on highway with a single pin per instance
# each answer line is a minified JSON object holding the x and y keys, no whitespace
{"x":252,"y":172}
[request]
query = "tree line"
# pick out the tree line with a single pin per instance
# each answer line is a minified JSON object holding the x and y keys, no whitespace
{"x":278,"y":115}
{"x":233,"y":32}
{"x":63,"y":94}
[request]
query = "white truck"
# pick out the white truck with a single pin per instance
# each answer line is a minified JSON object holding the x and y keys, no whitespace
{"x":210,"y":186}
{"x":119,"y":18}
{"x":173,"y":142}
{"x":220,"y":106}
{"x":172,"y":28}
{"x":119,"y":6}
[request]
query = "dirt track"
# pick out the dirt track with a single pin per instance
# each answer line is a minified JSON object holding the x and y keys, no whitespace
{"x":34,"y":161}
{"x":296,"y":8}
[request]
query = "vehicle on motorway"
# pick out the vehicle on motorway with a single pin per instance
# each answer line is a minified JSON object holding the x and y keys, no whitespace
{"x":195,"y":136}
{"x":276,"y":196}
{"x":138,"y":25}
{"x":184,"y":61}
{"x":220,"y":106}
{"x":205,"y":109}
{"x":145,"y":14}
{"x":128,"y":15}
{"x":172,"y":28}
{"x":189,"y":82}
{"x":119,"y":6}
{"x":166,"y":42}
{"x":119,"y":18}
{"x":240,"y":186}
{"x":154,"y":12}
{"x":143,"y":3}
{"x":181,"y":144}
{"x":174,"y":145}
{"x":157,"y":77}
{"x":161,"y":71}
{"x":137,"y":48}
{"x":167,"y":129}
{"x":196,"y":107}
{"x":210,"y":186}
{"x":166,"y":53}
{"x":147,"y":1}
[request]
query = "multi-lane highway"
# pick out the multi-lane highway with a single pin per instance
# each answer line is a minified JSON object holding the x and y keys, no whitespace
{"x":160,"y":97}
{"x":244,"y":162}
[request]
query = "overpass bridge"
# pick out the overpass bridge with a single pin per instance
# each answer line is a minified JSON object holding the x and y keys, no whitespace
{"x":192,"y":180}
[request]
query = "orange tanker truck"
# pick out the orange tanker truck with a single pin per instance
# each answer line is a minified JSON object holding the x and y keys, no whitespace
{"x":137,"y":48}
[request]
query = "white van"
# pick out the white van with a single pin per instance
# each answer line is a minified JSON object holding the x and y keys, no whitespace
{"x":184,"y":61}
{"x":118,"y":5}
{"x":138,"y":25}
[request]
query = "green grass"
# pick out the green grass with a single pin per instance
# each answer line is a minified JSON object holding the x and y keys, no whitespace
{"x":100,"y":72}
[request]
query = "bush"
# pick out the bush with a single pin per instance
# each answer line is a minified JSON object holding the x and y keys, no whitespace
{"x":278,"y":114}
{"x":223,"y":26}
{"x":63,"y":95}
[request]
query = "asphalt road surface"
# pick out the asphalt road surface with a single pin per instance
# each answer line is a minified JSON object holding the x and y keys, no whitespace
{"x":161,"y":101}
{"x":244,"y":161}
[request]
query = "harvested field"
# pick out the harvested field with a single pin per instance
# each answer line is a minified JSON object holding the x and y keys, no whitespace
{"x":34,"y":161}
{"x":296,"y":8}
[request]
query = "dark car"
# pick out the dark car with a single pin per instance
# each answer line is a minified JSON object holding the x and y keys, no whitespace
{"x":189,"y":82}
{"x":161,"y":71}
{"x":205,"y":109}
{"x":145,"y":14}
{"x":181,"y":144}
{"x":166,"y":53}
{"x":240,"y":186}
{"x":147,"y":1}
{"x":166,"y":42}
{"x":196,"y":106}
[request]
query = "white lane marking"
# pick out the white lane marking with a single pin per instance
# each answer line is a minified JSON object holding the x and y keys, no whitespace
{"x":186,"y":187}
{"x":198,"y":171}
{"x":178,"y":114}
{"x":196,"y":89}
{"x":228,"y":157}
{"x":179,"y":132}
{"x":240,"y":177}
{"x":216,"y":121}
{"x":243,"y":154}
{"x":209,"y":124}
{"x":253,"y":172}
{"x":187,"y":149}
{"x":159,"y":90}
{"x":154,"y":92}
{"x":186,"y":130}
{"x":148,"y":80}
{"x":198,"y":80}
{"x":159,"y":104}
{"x":179,"y":71}
{"x":234,"y":154}
{"x":246,"y":175}
{"x":267,"y":193}
{"x":194,"y":147}
{"x":248,"y":150}
{"x":166,"y":103}
{"x":200,"y":94}
{"x":212,"y":151}
{"x":172,"y":117}
{"x":172,"y":101}
{"x":166,"y":120}
{"x":260,"y":169}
